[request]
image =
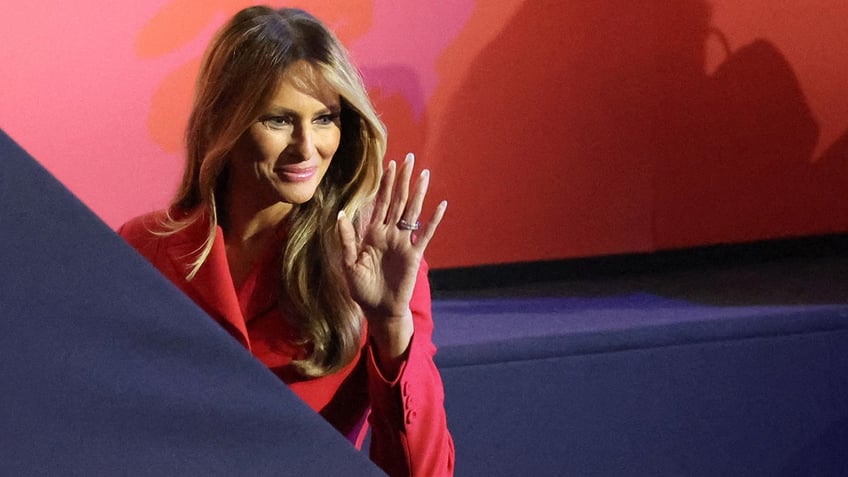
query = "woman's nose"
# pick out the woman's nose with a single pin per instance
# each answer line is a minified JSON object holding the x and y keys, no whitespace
{"x":304,"y":141}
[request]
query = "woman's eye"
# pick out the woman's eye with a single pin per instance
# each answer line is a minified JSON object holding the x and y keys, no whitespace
{"x":327,"y":119}
{"x":277,"y":122}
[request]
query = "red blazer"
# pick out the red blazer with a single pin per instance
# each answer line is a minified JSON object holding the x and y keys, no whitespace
{"x":409,"y":429}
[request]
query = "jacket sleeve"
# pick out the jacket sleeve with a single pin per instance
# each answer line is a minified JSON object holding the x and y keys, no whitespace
{"x":409,"y":433}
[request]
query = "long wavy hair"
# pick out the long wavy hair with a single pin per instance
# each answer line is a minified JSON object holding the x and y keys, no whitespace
{"x":242,"y":67}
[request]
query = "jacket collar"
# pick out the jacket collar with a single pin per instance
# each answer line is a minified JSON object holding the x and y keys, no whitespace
{"x":212,"y":286}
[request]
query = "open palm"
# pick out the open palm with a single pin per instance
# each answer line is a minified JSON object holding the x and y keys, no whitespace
{"x":382,"y":268}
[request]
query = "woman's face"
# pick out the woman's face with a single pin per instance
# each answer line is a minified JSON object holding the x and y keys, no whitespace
{"x":286,"y":151}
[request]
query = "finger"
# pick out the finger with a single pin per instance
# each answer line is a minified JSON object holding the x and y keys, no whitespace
{"x":381,"y":202}
{"x":347,"y":236}
{"x":416,"y":201}
{"x":401,"y":190}
{"x":423,"y":238}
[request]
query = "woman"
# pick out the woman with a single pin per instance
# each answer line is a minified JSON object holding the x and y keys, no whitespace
{"x":286,"y":231}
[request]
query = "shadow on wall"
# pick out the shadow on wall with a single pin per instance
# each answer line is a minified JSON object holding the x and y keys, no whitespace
{"x":837,"y":154}
{"x":594,"y":128}
{"x":736,"y":155}
{"x":548,"y":126}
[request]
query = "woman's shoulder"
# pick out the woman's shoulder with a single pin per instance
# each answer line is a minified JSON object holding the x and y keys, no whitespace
{"x":143,"y":233}
{"x":145,"y":225}
{"x":159,"y":221}
{"x":169,"y":226}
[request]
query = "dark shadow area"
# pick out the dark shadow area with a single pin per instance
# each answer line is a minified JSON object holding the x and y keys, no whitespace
{"x":837,"y":153}
{"x":549,"y":134}
{"x":596,"y":129}
{"x":736,"y":158}
{"x":811,"y":270}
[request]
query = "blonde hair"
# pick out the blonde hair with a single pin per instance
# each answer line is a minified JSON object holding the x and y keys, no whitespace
{"x":241,"y":69}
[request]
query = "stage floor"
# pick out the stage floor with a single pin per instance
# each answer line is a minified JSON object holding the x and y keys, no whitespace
{"x":724,"y":369}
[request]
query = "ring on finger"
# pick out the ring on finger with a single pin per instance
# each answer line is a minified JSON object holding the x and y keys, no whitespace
{"x":405,"y":225}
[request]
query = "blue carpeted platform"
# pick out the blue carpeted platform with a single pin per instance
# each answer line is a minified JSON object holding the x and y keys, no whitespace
{"x":640,"y":385}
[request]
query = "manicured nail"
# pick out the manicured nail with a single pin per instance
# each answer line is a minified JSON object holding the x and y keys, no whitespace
{"x":425,"y":173}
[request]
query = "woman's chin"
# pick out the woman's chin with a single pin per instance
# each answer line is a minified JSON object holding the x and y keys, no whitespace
{"x":297,"y":197}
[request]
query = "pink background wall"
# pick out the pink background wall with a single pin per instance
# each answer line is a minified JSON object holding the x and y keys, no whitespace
{"x":555,"y":129}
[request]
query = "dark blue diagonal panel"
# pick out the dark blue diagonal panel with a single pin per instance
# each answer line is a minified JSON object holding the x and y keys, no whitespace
{"x":107,"y":369}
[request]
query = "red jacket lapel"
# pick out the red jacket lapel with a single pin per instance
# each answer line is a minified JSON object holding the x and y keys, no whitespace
{"x":212,"y":287}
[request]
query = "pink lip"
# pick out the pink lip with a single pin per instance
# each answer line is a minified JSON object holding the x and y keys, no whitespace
{"x":297,"y":174}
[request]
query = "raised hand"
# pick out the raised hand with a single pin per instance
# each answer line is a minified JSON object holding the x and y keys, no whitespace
{"x":381,"y":269}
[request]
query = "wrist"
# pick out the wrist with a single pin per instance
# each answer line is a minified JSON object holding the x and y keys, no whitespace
{"x":390,"y":338}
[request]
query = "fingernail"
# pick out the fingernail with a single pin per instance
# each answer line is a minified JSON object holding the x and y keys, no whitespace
{"x":425,"y":173}
{"x":444,"y":204}
{"x":341,"y":214}
{"x":410,"y":157}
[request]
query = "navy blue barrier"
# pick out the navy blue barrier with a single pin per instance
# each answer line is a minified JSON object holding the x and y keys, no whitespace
{"x":107,"y":369}
{"x":644,"y":386}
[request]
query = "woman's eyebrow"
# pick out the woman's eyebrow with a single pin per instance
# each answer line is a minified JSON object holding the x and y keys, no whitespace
{"x":283,"y":111}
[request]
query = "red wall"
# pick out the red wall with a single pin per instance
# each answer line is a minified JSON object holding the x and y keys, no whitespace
{"x":555,"y":129}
